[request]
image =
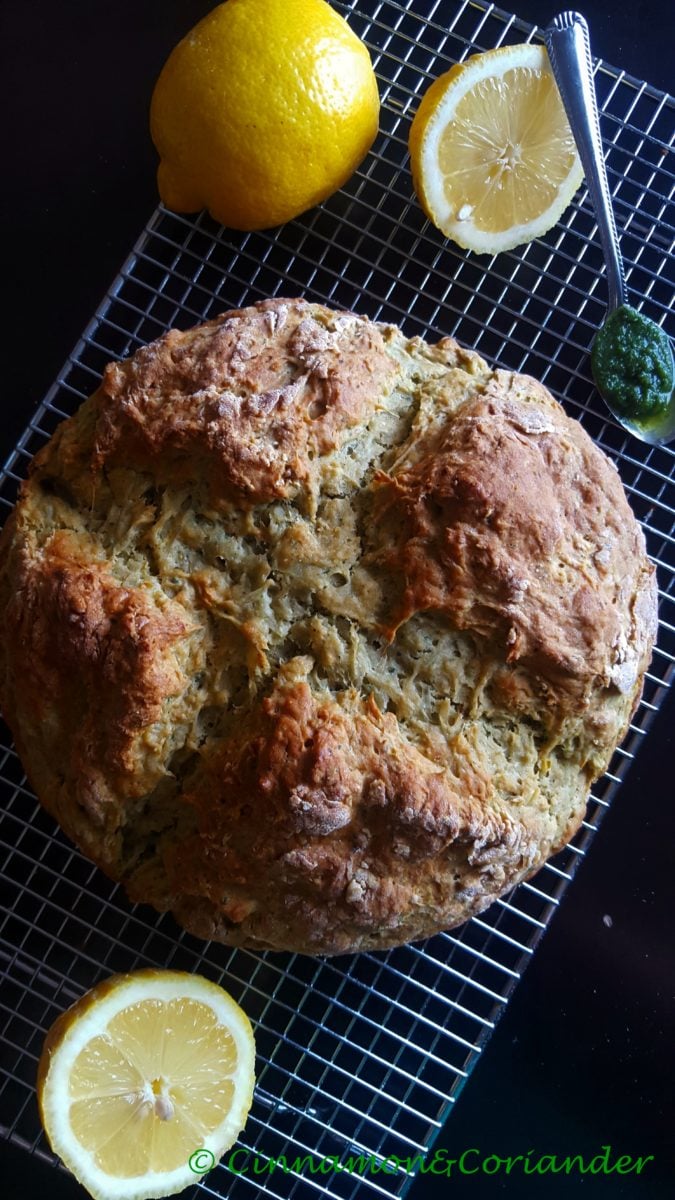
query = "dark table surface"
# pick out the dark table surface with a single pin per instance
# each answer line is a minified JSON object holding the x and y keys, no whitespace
{"x":584,"y":1055}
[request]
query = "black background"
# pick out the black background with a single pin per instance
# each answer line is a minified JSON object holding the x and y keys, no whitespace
{"x":585,"y":1053}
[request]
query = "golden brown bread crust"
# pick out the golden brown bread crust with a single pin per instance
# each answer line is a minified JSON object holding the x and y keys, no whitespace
{"x":499,"y":517}
{"x":317,"y":635}
{"x":248,"y":400}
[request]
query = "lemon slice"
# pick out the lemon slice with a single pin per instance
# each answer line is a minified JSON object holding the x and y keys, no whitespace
{"x":142,"y":1072}
{"x":493,"y":157}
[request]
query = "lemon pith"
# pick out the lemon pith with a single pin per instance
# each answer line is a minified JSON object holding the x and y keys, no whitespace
{"x":263,"y":110}
{"x":143,"y":1071}
{"x":493,"y":158}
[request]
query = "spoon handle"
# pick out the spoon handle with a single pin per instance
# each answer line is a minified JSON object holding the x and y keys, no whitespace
{"x":569,"y":51}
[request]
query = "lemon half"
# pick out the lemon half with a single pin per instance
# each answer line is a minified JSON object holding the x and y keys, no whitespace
{"x":493,"y":158}
{"x":142,"y":1072}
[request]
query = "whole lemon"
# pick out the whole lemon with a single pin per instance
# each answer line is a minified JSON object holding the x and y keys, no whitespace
{"x":262,"y":111}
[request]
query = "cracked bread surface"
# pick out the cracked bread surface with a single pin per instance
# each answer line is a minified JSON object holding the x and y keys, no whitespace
{"x":318,"y":635}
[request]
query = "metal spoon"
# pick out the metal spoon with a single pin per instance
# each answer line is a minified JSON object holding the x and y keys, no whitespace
{"x":568,"y":46}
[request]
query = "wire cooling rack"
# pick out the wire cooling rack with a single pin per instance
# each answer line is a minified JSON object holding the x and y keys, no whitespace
{"x":360,"y":1056}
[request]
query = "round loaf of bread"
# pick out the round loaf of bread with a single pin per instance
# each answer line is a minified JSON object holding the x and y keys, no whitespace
{"x":317,"y":635}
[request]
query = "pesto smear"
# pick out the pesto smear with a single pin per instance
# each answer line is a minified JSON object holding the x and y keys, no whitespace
{"x":632,"y":366}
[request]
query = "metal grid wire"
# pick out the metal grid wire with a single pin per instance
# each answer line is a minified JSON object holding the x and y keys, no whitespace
{"x":365,"y":1054}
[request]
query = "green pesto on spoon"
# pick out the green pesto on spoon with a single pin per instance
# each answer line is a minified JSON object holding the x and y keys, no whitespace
{"x":632,"y":357}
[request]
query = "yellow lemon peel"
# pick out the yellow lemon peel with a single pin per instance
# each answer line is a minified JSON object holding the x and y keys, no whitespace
{"x":262,"y":111}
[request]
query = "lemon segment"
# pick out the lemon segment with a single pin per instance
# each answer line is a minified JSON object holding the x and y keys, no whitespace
{"x":262,"y":111}
{"x":143,"y":1071}
{"x":493,"y":157}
